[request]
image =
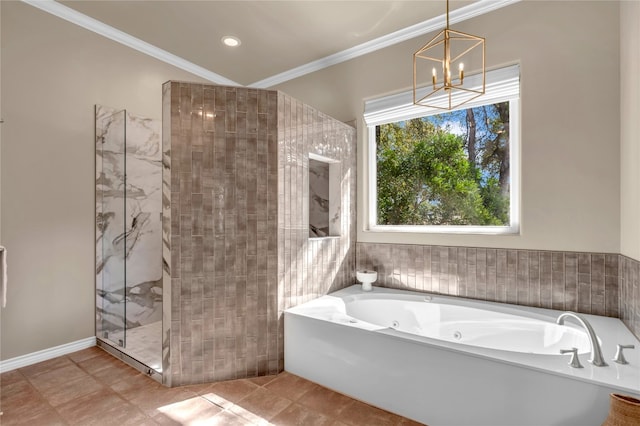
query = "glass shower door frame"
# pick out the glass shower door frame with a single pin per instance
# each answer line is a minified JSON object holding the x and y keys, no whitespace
{"x":111,"y":137}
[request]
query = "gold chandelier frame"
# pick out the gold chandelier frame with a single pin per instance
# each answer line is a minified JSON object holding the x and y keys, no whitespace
{"x":451,"y":88}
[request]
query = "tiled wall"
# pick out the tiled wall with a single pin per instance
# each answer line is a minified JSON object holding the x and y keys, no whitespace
{"x":308,"y":268}
{"x":235,"y":226}
{"x":581,"y":282}
{"x":592,"y":283}
{"x":220,"y":233}
{"x":318,"y":199}
{"x":630,"y":293}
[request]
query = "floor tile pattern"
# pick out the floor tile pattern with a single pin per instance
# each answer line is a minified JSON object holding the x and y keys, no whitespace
{"x":91,"y":387}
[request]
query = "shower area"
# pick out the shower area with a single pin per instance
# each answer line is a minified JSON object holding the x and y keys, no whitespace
{"x":239,"y":204}
{"x":128,"y":237}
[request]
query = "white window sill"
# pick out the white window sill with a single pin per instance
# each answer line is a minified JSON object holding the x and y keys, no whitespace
{"x":443,"y":229}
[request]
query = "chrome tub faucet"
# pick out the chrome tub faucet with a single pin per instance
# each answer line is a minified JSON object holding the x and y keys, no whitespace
{"x":596,"y":352}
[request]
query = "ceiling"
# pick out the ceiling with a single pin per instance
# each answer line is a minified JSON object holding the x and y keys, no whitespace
{"x":277,"y":36}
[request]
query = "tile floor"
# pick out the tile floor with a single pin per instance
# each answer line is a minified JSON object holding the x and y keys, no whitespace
{"x":90,"y":387}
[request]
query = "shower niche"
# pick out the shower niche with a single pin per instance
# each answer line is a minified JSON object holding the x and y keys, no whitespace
{"x":129,"y":237}
{"x":324,"y":197}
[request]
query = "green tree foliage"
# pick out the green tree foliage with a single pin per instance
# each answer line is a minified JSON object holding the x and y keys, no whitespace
{"x":427,"y":175}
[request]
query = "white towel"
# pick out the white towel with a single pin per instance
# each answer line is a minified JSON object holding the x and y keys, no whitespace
{"x":3,"y":276}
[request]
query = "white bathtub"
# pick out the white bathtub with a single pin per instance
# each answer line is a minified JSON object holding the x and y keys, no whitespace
{"x":451,"y":361}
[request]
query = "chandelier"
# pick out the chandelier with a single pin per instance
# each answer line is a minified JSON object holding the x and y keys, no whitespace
{"x":443,"y":59}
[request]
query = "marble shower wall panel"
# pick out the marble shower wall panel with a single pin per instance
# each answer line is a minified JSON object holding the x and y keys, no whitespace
{"x":318,"y":199}
{"x":139,"y":225}
{"x":220,"y":233}
{"x":580,"y":282}
{"x":110,"y":133}
{"x":630,"y":294}
{"x":144,"y":217}
{"x":308,"y":267}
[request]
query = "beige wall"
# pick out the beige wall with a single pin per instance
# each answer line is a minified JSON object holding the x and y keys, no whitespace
{"x":568,"y":52}
{"x":630,"y":129}
{"x":53,"y":73}
{"x":1,"y":46}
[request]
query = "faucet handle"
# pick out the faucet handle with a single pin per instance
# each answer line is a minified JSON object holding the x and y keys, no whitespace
{"x":619,"y":358}
{"x":575,"y":361}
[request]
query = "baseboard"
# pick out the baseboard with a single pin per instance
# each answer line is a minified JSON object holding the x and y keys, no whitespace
{"x":45,"y":354}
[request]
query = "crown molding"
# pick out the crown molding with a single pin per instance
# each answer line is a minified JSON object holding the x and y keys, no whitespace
{"x":459,"y":15}
{"x":84,"y":21}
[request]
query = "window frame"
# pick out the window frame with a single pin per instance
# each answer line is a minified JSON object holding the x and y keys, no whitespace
{"x":501,"y":85}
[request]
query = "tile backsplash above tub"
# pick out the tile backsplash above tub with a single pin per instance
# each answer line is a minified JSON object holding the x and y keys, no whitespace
{"x":591,"y":283}
{"x":630,"y":294}
{"x":581,"y":282}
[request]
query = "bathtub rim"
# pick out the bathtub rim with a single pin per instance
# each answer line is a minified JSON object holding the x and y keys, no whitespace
{"x":547,"y":363}
{"x":319,"y":367}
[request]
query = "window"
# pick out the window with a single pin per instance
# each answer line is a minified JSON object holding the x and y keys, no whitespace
{"x":446,"y":172}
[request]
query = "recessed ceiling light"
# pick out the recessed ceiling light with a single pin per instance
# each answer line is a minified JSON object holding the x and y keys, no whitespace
{"x":231,"y":41}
